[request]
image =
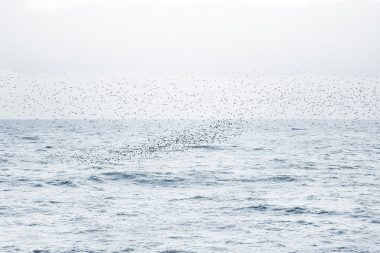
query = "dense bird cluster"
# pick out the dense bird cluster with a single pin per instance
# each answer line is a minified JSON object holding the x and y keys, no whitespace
{"x":162,"y":137}
{"x":191,"y":136}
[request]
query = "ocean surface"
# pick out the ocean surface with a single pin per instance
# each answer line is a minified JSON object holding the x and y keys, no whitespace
{"x":189,"y":186}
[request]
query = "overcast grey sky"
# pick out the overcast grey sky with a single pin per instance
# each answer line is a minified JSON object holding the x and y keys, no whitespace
{"x":323,"y":36}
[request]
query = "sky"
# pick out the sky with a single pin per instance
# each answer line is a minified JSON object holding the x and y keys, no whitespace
{"x":189,"y":58}
{"x":210,"y":36}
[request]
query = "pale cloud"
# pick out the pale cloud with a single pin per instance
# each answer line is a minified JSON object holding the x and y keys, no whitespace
{"x":56,"y":5}
{"x":191,"y":35}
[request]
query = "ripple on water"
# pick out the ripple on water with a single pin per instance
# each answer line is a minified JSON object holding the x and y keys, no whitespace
{"x":285,"y":210}
{"x":194,"y":198}
{"x":255,"y":207}
{"x":156,"y":179}
{"x":30,"y":138}
{"x":3,"y":160}
{"x":95,"y":179}
{"x":298,"y":129}
{"x":121,"y":175}
{"x":41,"y":251}
{"x":280,"y":178}
{"x":61,"y":182}
{"x":297,"y":210}
{"x":200,"y":197}
{"x":176,"y":251}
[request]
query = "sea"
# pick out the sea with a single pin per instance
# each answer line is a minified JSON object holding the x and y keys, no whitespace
{"x":181,"y":186}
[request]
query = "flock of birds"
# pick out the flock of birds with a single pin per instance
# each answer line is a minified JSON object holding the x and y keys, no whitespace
{"x":249,"y":96}
{"x":189,"y":135}
{"x":226,"y":102}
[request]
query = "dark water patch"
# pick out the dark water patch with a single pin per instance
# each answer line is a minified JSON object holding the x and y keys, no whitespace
{"x":280,"y":178}
{"x":296,"y":210}
{"x":48,"y":147}
{"x":30,"y":138}
{"x":161,"y":181}
{"x":23,"y":179}
{"x":9,"y":155}
{"x":176,"y":251}
{"x":95,"y":179}
{"x":342,"y":167}
{"x":335,"y":231}
{"x":60,"y":182}
{"x":346,"y":249}
{"x":127,"y":214}
{"x":199,"y":197}
{"x":124,"y":250}
{"x":307,"y":166}
{"x":255,"y":207}
{"x":284,"y":210}
{"x":158,"y":179}
{"x":278,"y":160}
{"x":361,"y":215}
{"x":3,"y":160}
{"x":348,"y":167}
{"x":325,"y":212}
{"x":11,"y":248}
{"x":97,"y":167}
{"x":307,"y":223}
{"x":226,"y":227}
{"x":54,"y":202}
{"x":302,"y":210}
{"x":275,"y":179}
{"x":241,"y":180}
{"x":297,"y":129}
{"x":41,"y":251}
{"x":6,"y":210}
{"x":175,"y":237}
{"x":122,"y":175}
{"x":196,"y":198}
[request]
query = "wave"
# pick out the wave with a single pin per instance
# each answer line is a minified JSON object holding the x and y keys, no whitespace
{"x":60,"y":182}
{"x":176,"y":251}
{"x":287,"y":210}
{"x":30,"y":138}
{"x":159,"y":179}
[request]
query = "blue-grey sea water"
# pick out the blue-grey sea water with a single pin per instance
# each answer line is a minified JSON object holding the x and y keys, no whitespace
{"x":189,"y":186}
